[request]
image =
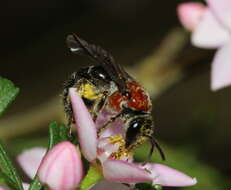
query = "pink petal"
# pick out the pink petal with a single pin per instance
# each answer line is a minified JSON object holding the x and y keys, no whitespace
{"x":3,"y":187}
{"x":30,"y":160}
{"x":116,"y":128}
{"x":105,"y":149}
{"x":85,"y":126}
{"x":221,"y":68}
{"x":103,"y":117}
{"x":166,"y":176}
{"x":124,"y":172}
{"x":222,"y":9}
{"x":210,"y":33}
{"x":61,"y":168}
{"x":190,"y":14}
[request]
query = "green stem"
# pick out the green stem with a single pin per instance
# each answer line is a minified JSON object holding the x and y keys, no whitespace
{"x":94,"y":175}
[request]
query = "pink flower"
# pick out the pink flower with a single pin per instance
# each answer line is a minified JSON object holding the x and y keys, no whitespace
{"x":61,"y":168}
{"x":211,"y":28}
{"x":30,"y":160}
{"x":190,"y":14}
{"x":118,"y":166}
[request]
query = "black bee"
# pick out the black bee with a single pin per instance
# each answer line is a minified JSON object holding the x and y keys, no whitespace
{"x":107,"y":86}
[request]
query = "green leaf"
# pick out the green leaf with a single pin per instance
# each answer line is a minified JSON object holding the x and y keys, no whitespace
{"x":57,"y":134}
{"x":2,"y":179}
{"x":94,"y":175}
{"x":147,"y":186}
{"x":35,"y":184}
{"x":8,"y":92}
{"x":8,"y":171}
{"x":158,"y":187}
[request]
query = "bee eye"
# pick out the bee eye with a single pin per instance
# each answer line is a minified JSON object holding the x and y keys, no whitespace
{"x":134,"y":127}
{"x":138,"y":127}
{"x":133,"y":130}
{"x":99,"y":73}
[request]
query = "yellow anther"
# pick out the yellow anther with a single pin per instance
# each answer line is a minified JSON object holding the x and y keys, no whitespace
{"x":122,"y":151}
{"x":117,"y":139}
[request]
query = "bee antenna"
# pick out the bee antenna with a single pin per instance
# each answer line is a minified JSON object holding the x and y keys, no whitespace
{"x":154,"y":143}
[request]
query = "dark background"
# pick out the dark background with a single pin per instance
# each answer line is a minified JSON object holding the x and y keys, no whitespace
{"x":34,"y":56}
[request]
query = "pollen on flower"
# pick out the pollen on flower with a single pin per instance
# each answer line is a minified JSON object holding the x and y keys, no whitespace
{"x":122,"y":151}
{"x":116,"y":139}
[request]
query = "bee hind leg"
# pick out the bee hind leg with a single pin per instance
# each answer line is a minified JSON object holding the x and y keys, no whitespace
{"x":66,"y":102}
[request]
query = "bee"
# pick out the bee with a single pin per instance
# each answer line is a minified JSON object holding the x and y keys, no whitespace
{"x":107,"y":88}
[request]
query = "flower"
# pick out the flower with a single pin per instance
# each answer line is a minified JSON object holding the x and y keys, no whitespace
{"x":211,"y":28}
{"x":116,"y":164}
{"x":190,"y":14}
{"x":29,"y":160}
{"x":61,"y":168}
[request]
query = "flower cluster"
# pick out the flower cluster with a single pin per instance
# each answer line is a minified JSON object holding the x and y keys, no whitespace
{"x":62,"y":168}
{"x":211,"y":28}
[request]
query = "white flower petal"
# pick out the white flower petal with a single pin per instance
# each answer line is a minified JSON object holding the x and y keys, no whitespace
{"x":210,"y":33}
{"x":221,"y":68}
{"x":30,"y":160}
{"x":85,"y":126}
{"x":166,"y":176}
{"x":222,"y":9}
{"x":124,"y":172}
{"x":25,"y":186}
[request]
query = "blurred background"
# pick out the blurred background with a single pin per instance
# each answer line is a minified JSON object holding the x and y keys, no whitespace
{"x":192,"y":122}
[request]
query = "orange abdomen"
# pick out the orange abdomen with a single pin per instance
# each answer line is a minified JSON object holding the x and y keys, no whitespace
{"x":137,"y":99}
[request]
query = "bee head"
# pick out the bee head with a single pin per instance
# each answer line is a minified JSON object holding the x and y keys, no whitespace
{"x":141,"y":129}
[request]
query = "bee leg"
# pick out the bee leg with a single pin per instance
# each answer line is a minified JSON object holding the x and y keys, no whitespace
{"x":99,"y":105}
{"x":67,"y":104}
{"x":67,"y":108}
{"x":107,"y":124}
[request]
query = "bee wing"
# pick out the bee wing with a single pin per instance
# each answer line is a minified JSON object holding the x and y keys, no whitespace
{"x":81,"y":47}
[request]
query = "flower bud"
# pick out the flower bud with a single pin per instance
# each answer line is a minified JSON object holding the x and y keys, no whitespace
{"x":61,"y":168}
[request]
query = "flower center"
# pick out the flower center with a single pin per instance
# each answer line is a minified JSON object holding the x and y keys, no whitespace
{"x":122,"y":153}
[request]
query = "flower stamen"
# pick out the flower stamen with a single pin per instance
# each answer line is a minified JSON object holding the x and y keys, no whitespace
{"x":122,"y":150}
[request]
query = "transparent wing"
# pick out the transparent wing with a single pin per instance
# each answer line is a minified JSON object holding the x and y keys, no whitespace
{"x":102,"y":57}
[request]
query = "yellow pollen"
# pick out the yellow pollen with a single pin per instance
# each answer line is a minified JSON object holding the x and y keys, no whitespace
{"x":116,"y":139}
{"x":88,"y":91}
{"x":122,"y":151}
